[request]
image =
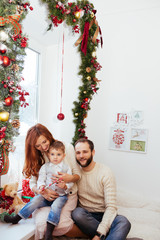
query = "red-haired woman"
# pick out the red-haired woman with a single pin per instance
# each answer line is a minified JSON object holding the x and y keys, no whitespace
{"x":37,"y":143}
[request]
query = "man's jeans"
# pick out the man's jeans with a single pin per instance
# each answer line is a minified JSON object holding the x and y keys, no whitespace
{"x":88,"y":223}
{"x":39,"y":202}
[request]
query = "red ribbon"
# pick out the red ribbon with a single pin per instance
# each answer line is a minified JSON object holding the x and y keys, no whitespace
{"x":85,"y":38}
{"x":62,"y":74}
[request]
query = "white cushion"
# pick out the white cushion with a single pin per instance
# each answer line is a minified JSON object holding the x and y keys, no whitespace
{"x":143,"y":214}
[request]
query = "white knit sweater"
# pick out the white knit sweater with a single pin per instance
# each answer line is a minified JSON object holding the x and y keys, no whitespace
{"x":97,"y":193}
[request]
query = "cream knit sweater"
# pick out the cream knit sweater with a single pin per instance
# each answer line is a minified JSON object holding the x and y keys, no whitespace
{"x":97,"y":193}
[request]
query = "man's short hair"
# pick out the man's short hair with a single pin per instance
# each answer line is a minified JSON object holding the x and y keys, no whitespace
{"x":84,"y":140}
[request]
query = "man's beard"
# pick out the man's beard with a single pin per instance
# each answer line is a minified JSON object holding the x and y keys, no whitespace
{"x":88,"y":161}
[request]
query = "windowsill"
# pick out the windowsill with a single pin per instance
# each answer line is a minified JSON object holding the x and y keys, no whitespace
{"x":24,"y":230}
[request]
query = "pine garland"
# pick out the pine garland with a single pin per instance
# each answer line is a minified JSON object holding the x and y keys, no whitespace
{"x":12,"y":52}
{"x":77,"y":15}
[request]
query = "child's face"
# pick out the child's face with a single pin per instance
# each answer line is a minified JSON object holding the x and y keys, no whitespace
{"x":56,"y":155}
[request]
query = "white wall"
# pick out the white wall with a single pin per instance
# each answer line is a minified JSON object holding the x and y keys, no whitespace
{"x":130,"y":80}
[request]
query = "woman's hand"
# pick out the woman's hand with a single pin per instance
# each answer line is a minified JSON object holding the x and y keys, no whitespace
{"x":49,"y":194}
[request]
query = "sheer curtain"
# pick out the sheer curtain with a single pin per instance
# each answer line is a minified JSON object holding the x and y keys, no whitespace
{"x":28,"y":117}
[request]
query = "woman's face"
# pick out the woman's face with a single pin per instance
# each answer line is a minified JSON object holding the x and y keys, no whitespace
{"x":42,"y":144}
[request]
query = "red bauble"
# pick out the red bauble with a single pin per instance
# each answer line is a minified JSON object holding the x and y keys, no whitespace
{"x":6,"y":61}
{"x":3,"y":51}
{"x":8,"y":101}
{"x":60,"y":116}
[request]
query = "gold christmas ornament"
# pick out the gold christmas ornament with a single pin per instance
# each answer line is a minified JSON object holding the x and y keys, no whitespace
{"x":92,"y":15}
{"x":94,"y":54}
{"x":88,"y":78}
{"x":3,"y":36}
{"x":84,"y":92}
{"x":15,"y":123}
{"x":77,"y":14}
{"x":76,"y":114}
{"x":4,"y":116}
{"x":88,"y":69}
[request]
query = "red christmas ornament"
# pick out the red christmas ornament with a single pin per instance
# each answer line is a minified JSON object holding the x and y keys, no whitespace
{"x":3,"y":51}
{"x":60,"y":116}
{"x":6,"y":61}
{"x":8,"y":101}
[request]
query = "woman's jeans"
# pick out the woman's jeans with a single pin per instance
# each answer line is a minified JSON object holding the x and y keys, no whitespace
{"x":39,"y":202}
{"x":88,"y":223}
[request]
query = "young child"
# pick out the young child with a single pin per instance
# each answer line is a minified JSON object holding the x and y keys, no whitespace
{"x":45,"y":180}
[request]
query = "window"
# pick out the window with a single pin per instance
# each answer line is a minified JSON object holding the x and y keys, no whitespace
{"x":28,"y":117}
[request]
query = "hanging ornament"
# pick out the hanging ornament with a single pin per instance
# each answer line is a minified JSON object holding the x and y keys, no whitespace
{"x":6,"y":61}
{"x":84,"y":92}
{"x":15,"y":123}
{"x":3,"y":36}
{"x":61,"y":116}
{"x":3,"y":48}
{"x":92,"y":15}
{"x":4,"y":116}
{"x":76,"y":114}
{"x":94,"y":54}
{"x":88,"y":69}
{"x":88,"y":78}
{"x":8,"y":101}
{"x":77,"y":14}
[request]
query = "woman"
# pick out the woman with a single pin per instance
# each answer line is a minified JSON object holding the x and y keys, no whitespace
{"x":37,"y":143}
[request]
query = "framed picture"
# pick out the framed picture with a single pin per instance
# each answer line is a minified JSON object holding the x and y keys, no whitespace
{"x":138,"y":141}
{"x":118,"y":139}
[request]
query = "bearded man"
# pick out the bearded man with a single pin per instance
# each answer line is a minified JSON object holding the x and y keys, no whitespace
{"x":96,"y":214}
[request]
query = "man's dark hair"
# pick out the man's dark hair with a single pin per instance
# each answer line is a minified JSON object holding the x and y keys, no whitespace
{"x":84,"y":140}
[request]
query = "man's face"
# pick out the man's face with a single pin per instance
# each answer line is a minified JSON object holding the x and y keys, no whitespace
{"x":84,"y":156}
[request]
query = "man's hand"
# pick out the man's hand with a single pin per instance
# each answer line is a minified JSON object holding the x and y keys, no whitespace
{"x":64,"y":176}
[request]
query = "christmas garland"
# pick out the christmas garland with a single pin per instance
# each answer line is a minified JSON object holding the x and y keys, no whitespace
{"x":12,"y":51}
{"x":81,"y":16}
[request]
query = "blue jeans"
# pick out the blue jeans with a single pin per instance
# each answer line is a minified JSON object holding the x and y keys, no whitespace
{"x":39,"y":202}
{"x":88,"y":223}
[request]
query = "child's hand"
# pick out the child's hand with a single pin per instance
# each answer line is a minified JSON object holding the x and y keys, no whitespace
{"x":61,"y":184}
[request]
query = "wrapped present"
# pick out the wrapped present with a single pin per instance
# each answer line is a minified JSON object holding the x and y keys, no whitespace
{"x":27,"y":194}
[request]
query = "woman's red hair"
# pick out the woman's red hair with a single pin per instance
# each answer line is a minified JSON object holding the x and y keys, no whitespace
{"x":33,"y":157}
